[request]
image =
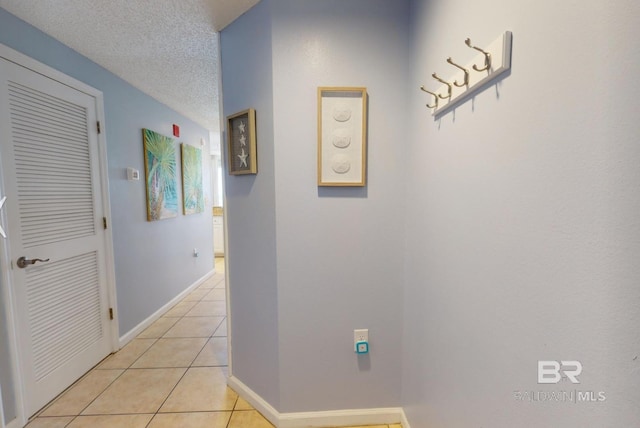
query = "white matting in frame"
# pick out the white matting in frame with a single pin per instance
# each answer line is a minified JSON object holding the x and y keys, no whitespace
{"x":342,"y":136}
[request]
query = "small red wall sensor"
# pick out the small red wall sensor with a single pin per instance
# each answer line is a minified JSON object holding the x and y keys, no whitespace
{"x":176,"y":131}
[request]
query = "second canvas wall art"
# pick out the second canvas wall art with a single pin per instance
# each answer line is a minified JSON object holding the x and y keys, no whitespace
{"x":160,"y":169}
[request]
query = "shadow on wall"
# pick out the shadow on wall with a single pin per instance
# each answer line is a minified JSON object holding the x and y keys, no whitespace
{"x":342,"y":192}
{"x":242,"y":186}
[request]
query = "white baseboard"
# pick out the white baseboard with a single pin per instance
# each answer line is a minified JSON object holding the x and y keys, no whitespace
{"x":331,"y":418}
{"x":255,"y":400}
{"x":338,"y":418}
{"x":131,"y":334}
{"x":13,"y":424}
{"x":404,"y":421}
{"x":1,"y":410}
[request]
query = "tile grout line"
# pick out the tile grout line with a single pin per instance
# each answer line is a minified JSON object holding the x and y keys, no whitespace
{"x":174,"y":386}
{"x":99,"y":395}
{"x":187,"y":368}
{"x":167,"y":397}
{"x":130,"y":367}
{"x":75,"y":384}
{"x":155,"y":340}
{"x":233,"y":409}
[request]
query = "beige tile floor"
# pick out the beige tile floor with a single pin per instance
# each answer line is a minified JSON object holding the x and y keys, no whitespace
{"x":173,"y":375}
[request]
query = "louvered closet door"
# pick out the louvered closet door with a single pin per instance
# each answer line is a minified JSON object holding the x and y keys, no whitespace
{"x":51,"y":174}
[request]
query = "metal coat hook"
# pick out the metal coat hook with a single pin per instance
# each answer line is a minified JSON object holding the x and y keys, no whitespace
{"x":466,"y":74}
{"x":449,"y":86}
{"x":487,"y":56}
{"x":3,"y":200}
{"x":459,"y":89}
{"x":434,"y":96}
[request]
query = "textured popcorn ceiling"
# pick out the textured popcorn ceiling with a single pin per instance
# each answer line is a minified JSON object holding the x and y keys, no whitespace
{"x":166,"y":48}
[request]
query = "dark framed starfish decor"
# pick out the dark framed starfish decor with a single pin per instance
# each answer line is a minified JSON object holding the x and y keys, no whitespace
{"x":241,"y":151}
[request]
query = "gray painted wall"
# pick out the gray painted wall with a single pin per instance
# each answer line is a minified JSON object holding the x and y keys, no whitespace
{"x":339,"y":249}
{"x":518,"y":209}
{"x":153,"y":260}
{"x":250,"y":207}
{"x":336,"y":250}
{"x":522,"y":218}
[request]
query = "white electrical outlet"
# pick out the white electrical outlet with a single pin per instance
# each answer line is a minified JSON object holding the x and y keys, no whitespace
{"x":195,"y":252}
{"x":360,"y":336}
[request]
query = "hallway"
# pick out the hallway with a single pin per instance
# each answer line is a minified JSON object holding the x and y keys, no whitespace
{"x":172,"y":375}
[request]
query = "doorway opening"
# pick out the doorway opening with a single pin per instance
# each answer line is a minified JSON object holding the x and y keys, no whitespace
{"x":217,"y":186}
{"x":219,"y":225}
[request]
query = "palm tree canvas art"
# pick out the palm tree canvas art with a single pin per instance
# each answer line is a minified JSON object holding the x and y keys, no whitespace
{"x":192,"y":193}
{"x":160,"y":173}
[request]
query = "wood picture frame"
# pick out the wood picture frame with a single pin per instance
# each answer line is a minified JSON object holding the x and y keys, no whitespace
{"x":342,"y":136}
{"x":160,"y":175}
{"x":192,"y":184}
{"x":241,"y":148}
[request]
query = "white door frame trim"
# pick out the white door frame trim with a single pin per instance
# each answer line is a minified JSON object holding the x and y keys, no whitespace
{"x":1,"y":409}
{"x":224,"y":209}
{"x":22,"y":60}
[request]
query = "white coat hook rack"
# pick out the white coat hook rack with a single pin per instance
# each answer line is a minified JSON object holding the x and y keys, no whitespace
{"x":2,"y":233}
{"x":487,"y":65}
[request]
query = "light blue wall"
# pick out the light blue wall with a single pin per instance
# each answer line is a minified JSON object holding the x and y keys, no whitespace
{"x":153,"y":260}
{"x":522,"y":225}
{"x":339,"y":264}
{"x":250,"y":206}
{"x":519,"y":212}
{"x":339,"y":249}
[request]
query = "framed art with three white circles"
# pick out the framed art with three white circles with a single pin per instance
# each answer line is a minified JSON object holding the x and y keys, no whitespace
{"x":342,"y":136}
